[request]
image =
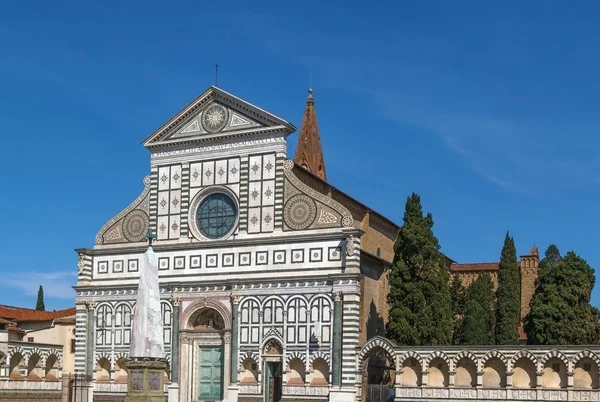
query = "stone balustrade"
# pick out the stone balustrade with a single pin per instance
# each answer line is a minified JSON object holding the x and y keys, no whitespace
{"x":561,"y":373}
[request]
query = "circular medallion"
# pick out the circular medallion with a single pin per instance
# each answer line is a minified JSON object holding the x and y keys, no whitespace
{"x":214,"y":118}
{"x":135,"y":225}
{"x":300,"y":212}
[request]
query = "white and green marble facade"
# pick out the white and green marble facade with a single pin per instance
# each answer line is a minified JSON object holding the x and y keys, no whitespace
{"x":286,"y":275}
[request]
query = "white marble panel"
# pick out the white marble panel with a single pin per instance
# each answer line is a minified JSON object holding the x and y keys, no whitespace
{"x":175,"y":201}
{"x":221,"y":172}
{"x":174,"y":227}
{"x":163,"y":202}
{"x":208,"y":173}
{"x":162,"y":228}
{"x":268,"y":218}
{"x":195,"y":174}
{"x":163,"y":177}
{"x":255,"y":168}
{"x":175,"y":176}
{"x":254,"y":218}
{"x":235,"y":188}
{"x":268,"y":192}
{"x":268,"y":166}
{"x":254,"y":194}
{"x":234,"y":170}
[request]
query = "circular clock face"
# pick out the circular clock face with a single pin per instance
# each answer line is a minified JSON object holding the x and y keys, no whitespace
{"x":214,"y":118}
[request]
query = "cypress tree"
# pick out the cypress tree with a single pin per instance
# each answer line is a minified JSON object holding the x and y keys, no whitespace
{"x":458,"y":295}
{"x":561,"y":313}
{"x":508,"y":310}
{"x":419,"y":297}
{"x":40,"y":300}
{"x":478,"y":325}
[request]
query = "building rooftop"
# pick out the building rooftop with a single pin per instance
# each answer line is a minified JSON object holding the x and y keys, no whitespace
{"x":19,"y":314}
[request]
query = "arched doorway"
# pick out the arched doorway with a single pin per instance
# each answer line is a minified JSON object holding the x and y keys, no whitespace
{"x":273,"y":362}
{"x":378,"y":373}
{"x":205,"y":352}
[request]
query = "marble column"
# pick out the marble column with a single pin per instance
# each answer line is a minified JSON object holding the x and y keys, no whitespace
{"x":89,"y":353}
{"x":175,"y":345}
{"x":235,"y":301}
{"x":337,"y":341}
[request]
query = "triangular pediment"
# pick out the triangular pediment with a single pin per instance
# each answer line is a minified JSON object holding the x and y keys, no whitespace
{"x":215,"y":115}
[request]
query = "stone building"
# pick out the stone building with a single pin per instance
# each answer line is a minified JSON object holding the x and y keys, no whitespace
{"x":528,"y":270}
{"x":37,"y":348}
{"x":261,"y":263}
{"x":272,"y":280}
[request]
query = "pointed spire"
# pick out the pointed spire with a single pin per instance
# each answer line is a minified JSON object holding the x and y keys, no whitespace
{"x":309,"y":153}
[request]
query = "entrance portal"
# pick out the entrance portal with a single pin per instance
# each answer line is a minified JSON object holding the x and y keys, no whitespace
{"x":210,"y":373}
{"x":273,"y":358}
{"x":273,"y":382}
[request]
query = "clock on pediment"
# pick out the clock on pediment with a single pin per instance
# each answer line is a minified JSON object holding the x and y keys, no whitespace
{"x":215,"y":118}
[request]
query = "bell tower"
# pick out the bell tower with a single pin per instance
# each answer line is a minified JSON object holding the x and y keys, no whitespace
{"x":309,"y":153}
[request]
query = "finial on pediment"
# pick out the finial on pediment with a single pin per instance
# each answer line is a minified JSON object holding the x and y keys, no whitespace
{"x":150,"y":237}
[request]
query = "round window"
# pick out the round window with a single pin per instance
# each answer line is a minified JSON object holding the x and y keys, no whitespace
{"x":216,"y":215}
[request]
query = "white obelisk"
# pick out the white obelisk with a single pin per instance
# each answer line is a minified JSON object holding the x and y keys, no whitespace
{"x":147,"y":328}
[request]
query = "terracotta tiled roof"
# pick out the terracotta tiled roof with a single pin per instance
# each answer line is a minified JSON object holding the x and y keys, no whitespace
{"x":309,"y":153}
{"x":24,"y":314}
{"x":15,"y":329}
{"x":3,"y":321}
{"x":479,"y":266}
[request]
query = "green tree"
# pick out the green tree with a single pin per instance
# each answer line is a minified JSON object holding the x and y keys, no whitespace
{"x":551,"y":257}
{"x":508,"y":310}
{"x":40,"y":300}
{"x":458,"y":295}
{"x":561,"y":313}
{"x":478,"y":325}
{"x":419,"y":297}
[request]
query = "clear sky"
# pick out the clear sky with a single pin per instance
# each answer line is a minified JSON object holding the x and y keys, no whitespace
{"x":488,"y":110}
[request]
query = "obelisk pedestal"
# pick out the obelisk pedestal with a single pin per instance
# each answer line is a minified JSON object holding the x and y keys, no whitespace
{"x":146,"y":363}
{"x":146,"y":381}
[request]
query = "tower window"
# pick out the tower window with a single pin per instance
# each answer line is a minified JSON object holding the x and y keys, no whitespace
{"x":378,"y":252}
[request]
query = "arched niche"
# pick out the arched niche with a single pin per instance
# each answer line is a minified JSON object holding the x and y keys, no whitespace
{"x":494,"y":373}
{"x":585,"y":374}
{"x":249,"y":372}
{"x":16,"y":366}
{"x":296,"y":372}
{"x":34,"y":367}
{"x":320,"y":372}
{"x":438,"y":373}
{"x":52,"y":368}
{"x":554,"y":373}
{"x":103,"y":370}
{"x":121,"y":372}
{"x":411,"y":372}
{"x":524,"y":373}
{"x":466,"y":373}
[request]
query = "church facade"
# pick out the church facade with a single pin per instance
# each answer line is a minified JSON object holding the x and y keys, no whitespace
{"x":259,"y":262}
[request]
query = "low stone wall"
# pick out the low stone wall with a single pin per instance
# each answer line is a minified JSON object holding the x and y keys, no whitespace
{"x":29,"y":396}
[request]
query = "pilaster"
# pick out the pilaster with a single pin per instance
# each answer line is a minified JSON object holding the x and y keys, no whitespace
{"x":235,"y":302}
{"x":89,"y":363}
{"x":337,"y":341}
{"x":175,"y":345}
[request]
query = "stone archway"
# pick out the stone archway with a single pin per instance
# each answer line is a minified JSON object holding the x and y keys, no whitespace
{"x":205,"y":351}
{"x":272,"y":356}
{"x":377,"y":364}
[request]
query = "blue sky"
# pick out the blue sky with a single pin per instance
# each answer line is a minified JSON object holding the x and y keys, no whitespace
{"x":488,"y":110}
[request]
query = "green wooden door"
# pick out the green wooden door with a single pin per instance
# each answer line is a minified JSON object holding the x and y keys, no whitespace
{"x":210,"y":387}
